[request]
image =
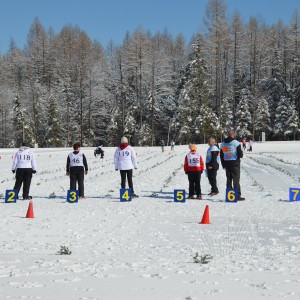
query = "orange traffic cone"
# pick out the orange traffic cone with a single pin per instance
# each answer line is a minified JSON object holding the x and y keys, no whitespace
{"x":30,"y":214}
{"x":205,"y":218}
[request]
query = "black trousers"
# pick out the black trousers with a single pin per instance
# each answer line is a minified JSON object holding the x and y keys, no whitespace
{"x":23,"y":176}
{"x":233,"y":177}
{"x":194,"y":183}
{"x":212,"y":178}
{"x":77,"y":175}
{"x":128,"y":174}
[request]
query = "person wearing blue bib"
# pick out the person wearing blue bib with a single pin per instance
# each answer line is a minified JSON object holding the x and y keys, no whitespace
{"x":212,"y":165}
{"x":231,"y":154}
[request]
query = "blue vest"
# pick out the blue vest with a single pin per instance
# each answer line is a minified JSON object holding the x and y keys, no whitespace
{"x":229,"y":150}
{"x":208,"y":154}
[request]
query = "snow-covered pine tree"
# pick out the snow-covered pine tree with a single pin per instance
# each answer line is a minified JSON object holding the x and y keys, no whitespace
{"x":262,"y":116}
{"x":286,"y":119}
{"x":226,"y":116}
{"x":18,"y":121}
{"x":207,"y":123}
{"x":243,"y":115}
{"x":54,"y":130}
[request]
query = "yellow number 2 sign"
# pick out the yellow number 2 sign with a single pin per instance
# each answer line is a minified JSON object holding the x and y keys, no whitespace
{"x":10,"y":196}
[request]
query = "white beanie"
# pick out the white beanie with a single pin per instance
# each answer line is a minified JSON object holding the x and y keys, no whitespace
{"x":124,"y":140}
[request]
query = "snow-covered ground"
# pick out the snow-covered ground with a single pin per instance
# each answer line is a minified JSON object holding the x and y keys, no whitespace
{"x":144,"y":249}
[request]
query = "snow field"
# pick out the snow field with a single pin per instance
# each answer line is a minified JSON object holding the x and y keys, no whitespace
{"x":143,"y":249}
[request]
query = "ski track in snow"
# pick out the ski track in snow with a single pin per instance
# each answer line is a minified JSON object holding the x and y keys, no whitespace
{"x":144,"y":249}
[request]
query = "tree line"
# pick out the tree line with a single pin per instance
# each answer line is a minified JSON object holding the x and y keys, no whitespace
{"x":64,"y":87}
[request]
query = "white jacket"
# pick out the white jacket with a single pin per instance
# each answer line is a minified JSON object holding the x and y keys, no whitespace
{"x":24,"y":158}
{"x":125,"y":159}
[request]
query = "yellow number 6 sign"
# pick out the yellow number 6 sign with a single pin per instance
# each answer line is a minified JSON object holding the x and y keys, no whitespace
{"x":231,"y":195}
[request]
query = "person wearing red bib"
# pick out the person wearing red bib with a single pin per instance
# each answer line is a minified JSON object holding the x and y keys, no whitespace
{"x":193,"y":167}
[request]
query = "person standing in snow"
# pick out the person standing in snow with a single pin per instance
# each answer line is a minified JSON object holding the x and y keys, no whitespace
{"x":231,"y":154}
{"x":193,"y":167}
{"x":125,"y":161}
{"x":162,"y":144}
{"x":172,"y":145}
{"x":244,"y":143}
{"x":212,"y":165}
{"x":77,"y":167}
{"x":24,"y":165}
{"x":250,"y":145}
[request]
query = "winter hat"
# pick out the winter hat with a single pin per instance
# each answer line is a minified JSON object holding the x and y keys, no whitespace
{"x":193,"y":148}
{"x":124,"y":140}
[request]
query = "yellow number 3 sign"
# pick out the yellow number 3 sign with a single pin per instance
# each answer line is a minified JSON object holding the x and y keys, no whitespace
{"x":231,"y":195}
{"x":72,"y":196}
{"x":10,"y":196}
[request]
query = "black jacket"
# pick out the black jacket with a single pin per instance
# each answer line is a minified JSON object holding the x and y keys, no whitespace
{"x":231,"y":163}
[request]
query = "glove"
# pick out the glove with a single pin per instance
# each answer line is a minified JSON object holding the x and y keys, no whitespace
{"x":186,"y":173}
{"x":33,"y":171}
{"x":85,"y":172}
{"x":201,"y":172}
{"x":68,"y":173}
{"x":14,"y":171}
{"x":116,"y":169}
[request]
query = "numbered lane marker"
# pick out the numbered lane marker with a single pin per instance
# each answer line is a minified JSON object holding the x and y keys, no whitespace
{"x":10,"y":196}
{"x":294,"y":194}
{"x":232,"y":195}
{"x":125,"y":195}
{"x":179,"y":196}
{"x":72,"y":196}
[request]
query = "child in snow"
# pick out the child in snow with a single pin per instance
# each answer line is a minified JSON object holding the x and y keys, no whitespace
{"x":193,"y":167}
{"x":76,"y":168}
{"x":125,"y":161}
{"x":24,"y":165}
{"x":212,"y":165}
{"x":162,"y":144}
{"x":172,"y":145}
{"x":99,"y":151}
{"x":250,"y":145}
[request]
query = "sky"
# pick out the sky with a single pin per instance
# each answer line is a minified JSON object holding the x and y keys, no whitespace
{"x":106,"y":20}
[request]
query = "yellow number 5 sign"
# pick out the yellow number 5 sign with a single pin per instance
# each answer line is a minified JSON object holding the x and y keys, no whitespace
{"x":179,"y":196}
